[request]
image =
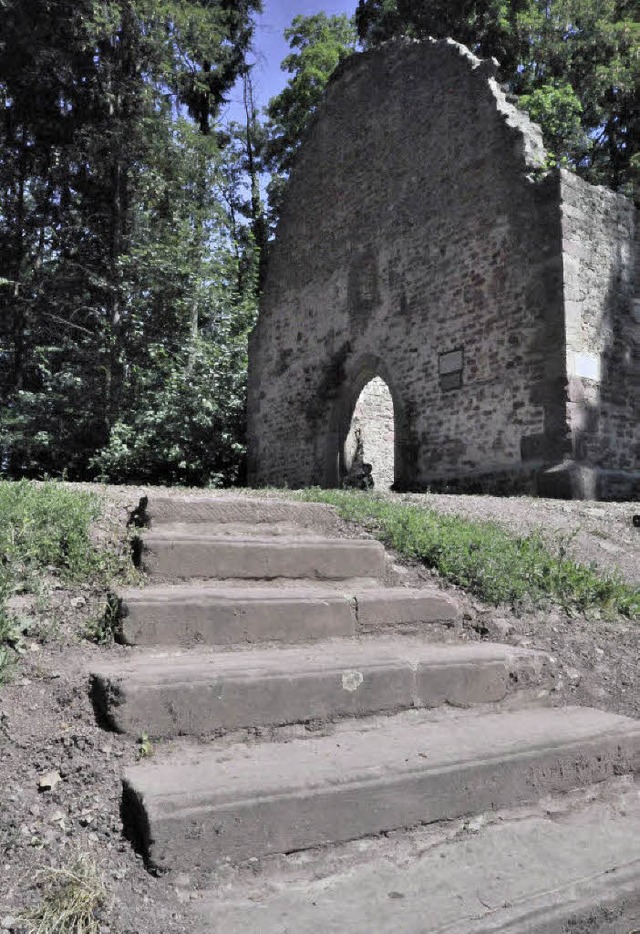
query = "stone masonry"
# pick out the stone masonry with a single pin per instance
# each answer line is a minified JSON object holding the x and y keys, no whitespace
{"x":423,"y":242}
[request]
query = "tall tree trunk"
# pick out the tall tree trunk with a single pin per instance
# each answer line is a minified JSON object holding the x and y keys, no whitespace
{"x":20,"y":314}
{"x":258,"y":219}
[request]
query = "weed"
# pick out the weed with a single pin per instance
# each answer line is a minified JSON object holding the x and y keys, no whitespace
{"x":104,"y":627}
{"x":72,"y":898}
{"x":145,"y":746}
{"x":11,"y":641}
{"x":484,"y":559}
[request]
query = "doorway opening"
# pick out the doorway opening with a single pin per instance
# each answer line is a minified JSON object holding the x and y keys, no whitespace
{"x":369,"y":448}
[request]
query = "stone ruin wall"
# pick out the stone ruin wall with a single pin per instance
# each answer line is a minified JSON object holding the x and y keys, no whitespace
{"x":602,"y":312}
{"x":418,"y":243}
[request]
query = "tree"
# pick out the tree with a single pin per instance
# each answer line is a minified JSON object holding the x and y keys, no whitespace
{"x":319,"y":43}
{"x":117,"y":254}
{"x":575,"y":65}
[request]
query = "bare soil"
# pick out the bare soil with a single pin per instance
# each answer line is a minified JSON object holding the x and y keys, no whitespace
{"x":49,"y":735}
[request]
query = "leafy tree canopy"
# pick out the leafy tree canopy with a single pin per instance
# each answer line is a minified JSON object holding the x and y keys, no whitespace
{"x":128,"y":269}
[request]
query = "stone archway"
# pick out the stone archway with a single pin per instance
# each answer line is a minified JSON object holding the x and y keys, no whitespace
{"x":371,"y":437}
{"x":367,"y":391}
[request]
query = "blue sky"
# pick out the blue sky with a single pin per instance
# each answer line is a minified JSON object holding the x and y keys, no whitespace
{"x":271,"y":47}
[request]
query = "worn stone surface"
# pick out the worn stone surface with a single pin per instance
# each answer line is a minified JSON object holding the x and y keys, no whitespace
{"x":218,"y":613}
{"x":197,"y":693}
{"x":240,"y":803}
{"x":421,"y":243}
{"x":176,"y":554}
{"x":546,"y":870}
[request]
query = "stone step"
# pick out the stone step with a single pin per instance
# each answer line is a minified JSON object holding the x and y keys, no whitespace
{"x":157,"y":510}
{"x":249,"y":801}
{"x":196,"y":694}
{"x":178,"y":554}
{"x":569,"y":865}
{"x":224,"y":613}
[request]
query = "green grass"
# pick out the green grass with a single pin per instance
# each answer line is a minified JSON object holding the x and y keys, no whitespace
{"x":484,"y":559}
{"x":45,"y":531}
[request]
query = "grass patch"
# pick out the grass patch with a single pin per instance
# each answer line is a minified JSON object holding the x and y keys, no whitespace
{"x":45,"y":533}
{"x":484,"y":559}
{"x":72,"y":899}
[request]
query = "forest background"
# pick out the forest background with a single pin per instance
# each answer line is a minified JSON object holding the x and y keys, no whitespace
{"x":135,"y":219}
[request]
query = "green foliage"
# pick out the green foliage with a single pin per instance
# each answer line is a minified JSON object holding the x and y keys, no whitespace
{"x":575,"y":64}
{"x":557,"y":108}
{"x":485,"y":560}
{"x":104,"y":627}
{"x":120,"y":251}
{"x":145,"y":746}
{"x":186,"y":425}
{"x":10,"y":635}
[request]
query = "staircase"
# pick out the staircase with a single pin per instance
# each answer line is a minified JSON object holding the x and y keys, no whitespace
{"x":298,"y":699}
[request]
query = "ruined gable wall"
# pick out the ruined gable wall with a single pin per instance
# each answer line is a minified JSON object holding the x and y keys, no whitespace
{"x":411,"y":229}
{"x":602,"y":307}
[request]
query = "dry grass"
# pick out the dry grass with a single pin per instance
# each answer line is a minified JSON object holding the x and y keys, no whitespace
{"x":72,"y":897}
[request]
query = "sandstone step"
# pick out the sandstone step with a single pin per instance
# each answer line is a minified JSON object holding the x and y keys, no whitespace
{"x":224,"y":612}
{"x":249,"y":801}
{"x":157,"y":510}
{"x":196,"y":694}
{"x":179,"y":554}
{"x":569,"y":865}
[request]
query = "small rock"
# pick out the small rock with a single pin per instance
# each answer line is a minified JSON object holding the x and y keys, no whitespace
{"x":573,"y":675}
{"x":498,"y":629}
{"x":8,"y":923}
{"x":609,"y":548}
{"x":77,"y":602}
{"x":474,"y":824}
{"x":49,"y":780}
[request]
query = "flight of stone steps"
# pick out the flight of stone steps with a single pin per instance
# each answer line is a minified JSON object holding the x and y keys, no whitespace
{"x":295,"y":696}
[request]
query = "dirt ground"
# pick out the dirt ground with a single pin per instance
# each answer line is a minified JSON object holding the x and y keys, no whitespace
{"x":60,"y":771}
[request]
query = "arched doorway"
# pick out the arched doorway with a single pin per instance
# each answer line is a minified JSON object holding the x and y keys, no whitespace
{"x":368,"y":452}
